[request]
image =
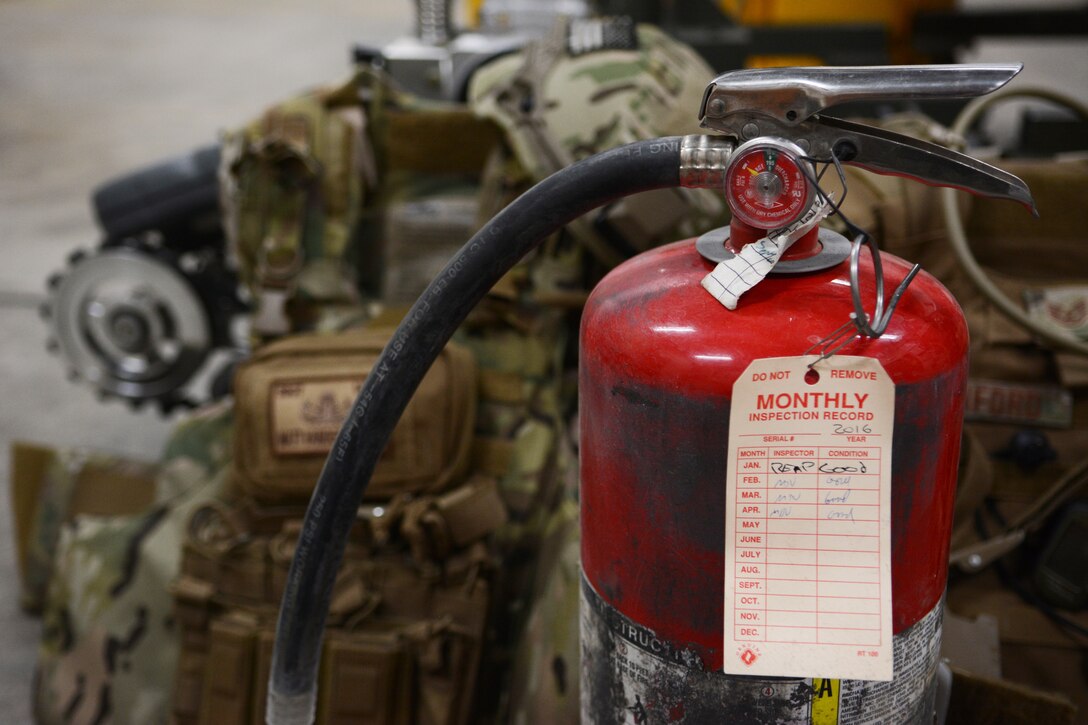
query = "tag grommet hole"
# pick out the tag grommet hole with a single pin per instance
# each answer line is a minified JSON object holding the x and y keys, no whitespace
{"x":812,"y":377}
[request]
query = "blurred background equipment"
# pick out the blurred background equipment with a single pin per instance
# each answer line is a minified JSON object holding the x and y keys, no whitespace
{"x":139,"y":316}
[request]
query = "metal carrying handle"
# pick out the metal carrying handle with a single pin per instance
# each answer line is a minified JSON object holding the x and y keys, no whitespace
{"x":787,"y":103}
{"x":793,"y":95}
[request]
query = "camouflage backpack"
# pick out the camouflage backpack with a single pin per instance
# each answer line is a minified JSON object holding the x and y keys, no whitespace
{"x":562,"y":100}
{"x":290,"y":220}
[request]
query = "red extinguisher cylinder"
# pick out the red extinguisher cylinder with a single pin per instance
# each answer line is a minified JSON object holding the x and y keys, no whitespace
{"x":659,"y":357}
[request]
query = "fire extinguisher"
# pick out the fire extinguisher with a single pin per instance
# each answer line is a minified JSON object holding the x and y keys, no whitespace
{"x":811,"y":346}
{"x":667,"y":602}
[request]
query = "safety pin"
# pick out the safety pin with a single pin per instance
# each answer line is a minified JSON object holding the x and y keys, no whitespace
{"x":842,"y":332}
{"x":866,"y":326}
{"x":881,"y":315}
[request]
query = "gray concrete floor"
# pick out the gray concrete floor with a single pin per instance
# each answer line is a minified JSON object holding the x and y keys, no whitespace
{"x":89,"y":91}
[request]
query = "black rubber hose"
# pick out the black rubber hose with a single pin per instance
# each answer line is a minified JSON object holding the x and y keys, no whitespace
{"x":432,"y":320}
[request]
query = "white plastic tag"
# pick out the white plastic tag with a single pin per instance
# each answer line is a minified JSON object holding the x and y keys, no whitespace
{"x":735,"y":276}
{"x":808,"y":590}
{"x":1062,"y":307}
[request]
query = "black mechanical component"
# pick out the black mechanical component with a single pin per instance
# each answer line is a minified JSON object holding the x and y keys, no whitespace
{"x":1028,"y":448}
{"x":178,"y":199}
{"x":1061,"y":573}
{"x":140,"y":316}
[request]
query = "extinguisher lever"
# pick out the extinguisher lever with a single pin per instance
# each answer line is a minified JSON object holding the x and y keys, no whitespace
{"x":895,"y":154}
{"x":787,"y":103}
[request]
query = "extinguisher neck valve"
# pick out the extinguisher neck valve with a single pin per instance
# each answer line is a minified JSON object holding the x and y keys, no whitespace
{"x":704,"y":160}
{"x":788,"y":104}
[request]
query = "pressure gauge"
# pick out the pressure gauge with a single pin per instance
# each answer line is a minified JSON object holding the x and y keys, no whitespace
{"x":766,"y":185}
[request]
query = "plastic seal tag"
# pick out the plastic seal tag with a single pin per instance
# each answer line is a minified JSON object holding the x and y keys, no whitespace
{"x":735,"y":276}
{"x":808,"y":520}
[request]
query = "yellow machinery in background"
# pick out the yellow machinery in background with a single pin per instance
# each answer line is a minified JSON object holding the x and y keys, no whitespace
{"x":757,"y":33}
{"x":896,"y":16}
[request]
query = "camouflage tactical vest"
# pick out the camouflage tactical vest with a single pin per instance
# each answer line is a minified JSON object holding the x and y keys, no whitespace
{"x":109,"y":639}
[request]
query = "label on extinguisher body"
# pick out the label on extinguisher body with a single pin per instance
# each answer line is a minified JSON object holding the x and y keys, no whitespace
{"x":808,"y":590}
{"x":632,"y":676}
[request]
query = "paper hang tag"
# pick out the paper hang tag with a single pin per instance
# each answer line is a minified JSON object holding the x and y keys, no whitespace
{"x":735,"y":276}
{"x":808,"y":520}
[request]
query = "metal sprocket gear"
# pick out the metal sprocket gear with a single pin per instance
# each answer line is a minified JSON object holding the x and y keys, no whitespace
{"x":133,"y":324}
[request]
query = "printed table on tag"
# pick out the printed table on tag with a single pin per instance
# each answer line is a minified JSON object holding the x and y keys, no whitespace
{"x":808,"y":520}
{"x":808,"y":545}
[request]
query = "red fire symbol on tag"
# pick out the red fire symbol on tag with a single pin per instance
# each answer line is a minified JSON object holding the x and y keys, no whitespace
{"x":748,"y":657}
{"x":1071,"y":313}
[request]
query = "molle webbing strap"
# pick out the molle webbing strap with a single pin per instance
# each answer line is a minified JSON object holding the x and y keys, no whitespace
{"x":435,"y":527}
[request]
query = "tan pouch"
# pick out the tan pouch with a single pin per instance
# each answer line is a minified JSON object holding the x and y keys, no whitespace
{"x":192,"y":614}
{"x":366,"y":680}
{"x":220,"y":551}
{"x":414,"y":659}
{"x":293,"y":395}
{"x":228,"y":674}
{"x":436,"y":526}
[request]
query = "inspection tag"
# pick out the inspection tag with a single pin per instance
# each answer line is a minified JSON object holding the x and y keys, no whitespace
{"x":808,"y":590}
